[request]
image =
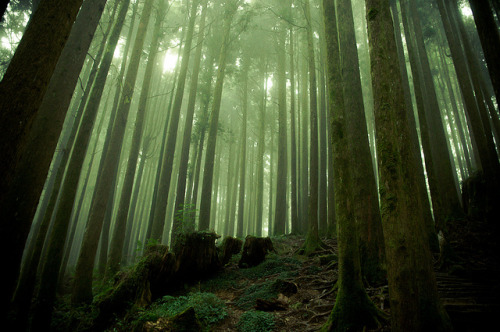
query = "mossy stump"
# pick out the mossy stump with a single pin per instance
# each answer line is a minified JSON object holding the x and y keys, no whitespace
{"x":229,"y":247}
{"x":255,"y":250}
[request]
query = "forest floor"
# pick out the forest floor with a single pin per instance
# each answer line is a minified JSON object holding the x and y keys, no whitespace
{"x":289,"y":292}
{"x":296,"y":291}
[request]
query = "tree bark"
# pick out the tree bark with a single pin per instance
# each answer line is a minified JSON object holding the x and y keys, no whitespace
{"x":82,"y":286}
{"x":21,"y":93}
{"x":415,"y":304}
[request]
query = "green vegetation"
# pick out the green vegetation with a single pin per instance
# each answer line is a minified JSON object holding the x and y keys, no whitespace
{"x":256,"y":321}
{"x":209,"y":309}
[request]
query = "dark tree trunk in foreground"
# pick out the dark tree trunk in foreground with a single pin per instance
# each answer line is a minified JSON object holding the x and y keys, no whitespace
{"x":49,"y":275}
{"x":21,"y":92}
{"x":366,"y":211}
{"x":45,"y":131}
{"x":415,"y":304}
{"x":353,"y":308}
{"x":490,"y":39}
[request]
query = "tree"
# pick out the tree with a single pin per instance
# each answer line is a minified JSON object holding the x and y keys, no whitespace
{"x":21,"y":92}
{"x":363,"y":184}
{"x":490,"y":40}
{"x":353,"y":309}
{"x":206,"y":190}
{"x":168,"y":156}
{"x":118,"y":238}
{"x":312,"y":242}
{"x":281,"y":192}
{"x":82,"y":285}
{"x":49,"y":274}
{"x":415,"y":304}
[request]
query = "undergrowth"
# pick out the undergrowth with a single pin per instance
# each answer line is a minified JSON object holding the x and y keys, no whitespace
{"x":209,"y":309}
{"x":256,"y":321}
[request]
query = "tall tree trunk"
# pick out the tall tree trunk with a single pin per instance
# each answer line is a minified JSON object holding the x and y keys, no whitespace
{"x":364,"y":186}
{"x":261,"y":150}
{"x":116,"y":247}
{"x":188,"y":126}
{"x":243,"y":148}
{"x":22,"y":89}
{"x":293,"y":142}
{"x":46,"y":294}
{"x":312,"y":242}
{"x":168,"y":156}
{"x":82,"y":286}
{"x":353,"y":309}
{"x":206,"y":190}
{"x":415,"y":304}
{"x":490,"y":40}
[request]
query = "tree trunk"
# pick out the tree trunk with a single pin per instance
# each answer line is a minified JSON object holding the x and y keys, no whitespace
{"x":312,"y":242}
{"x":415,"y":304}
{"x":490,"y":40}
{"x":22,"y":89}
{"x":49,"y":274}
{"x":364,"y":187}
{"x":82,"y":287}
{"x":188,"y":126}
{"x":168,"y":156}
{"x":116,"y":247}
{"x":206,"y":190}
{"x":243,"y":149}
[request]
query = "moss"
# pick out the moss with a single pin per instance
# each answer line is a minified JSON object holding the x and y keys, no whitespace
{"x":372,"y":14}
{"x":353,"y":311}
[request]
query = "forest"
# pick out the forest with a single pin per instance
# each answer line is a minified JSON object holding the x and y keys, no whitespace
{"x":250,"y":165}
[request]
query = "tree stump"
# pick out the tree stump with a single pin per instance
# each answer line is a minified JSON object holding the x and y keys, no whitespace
{"x":255,"y":250}
{"x":230,"y":246}
{"x":196,"y":255}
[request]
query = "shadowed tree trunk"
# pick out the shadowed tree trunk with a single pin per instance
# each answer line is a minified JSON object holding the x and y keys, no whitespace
{"x":49,"y":274}
{"x":353,"y":310}
{"x":490,"y":39}
{"x":364,"y":187}
{"x":312,"y":242}
{"x":415,"y":304}
{"x":280,"y":207}
{"x":21,"y":93}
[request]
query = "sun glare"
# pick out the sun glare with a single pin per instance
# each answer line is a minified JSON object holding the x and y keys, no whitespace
{"x":169,"y":61}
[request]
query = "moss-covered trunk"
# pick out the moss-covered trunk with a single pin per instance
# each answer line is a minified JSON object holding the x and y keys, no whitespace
{"x":415,"y":305}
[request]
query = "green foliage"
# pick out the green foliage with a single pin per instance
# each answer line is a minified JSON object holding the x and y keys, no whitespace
{"x":256,"y":321}
{"x":140,"y":246}
{"x":208,"y":307}
{"x":186,"y":217}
